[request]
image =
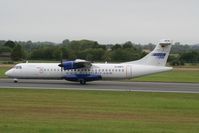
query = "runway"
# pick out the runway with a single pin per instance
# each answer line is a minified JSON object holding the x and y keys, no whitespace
{"x":103,"y":85}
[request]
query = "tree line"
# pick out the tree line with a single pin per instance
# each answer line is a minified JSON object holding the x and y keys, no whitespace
{"x":93,"y":51}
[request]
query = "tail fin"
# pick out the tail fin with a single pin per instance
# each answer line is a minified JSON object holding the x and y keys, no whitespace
{"x":158,"y":57}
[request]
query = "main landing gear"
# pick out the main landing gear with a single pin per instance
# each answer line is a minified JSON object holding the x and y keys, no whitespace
{"x":15,"y":80}
{"x":82,"y":81}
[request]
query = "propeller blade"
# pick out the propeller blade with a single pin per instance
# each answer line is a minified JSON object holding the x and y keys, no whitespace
{"x":61,"y":65}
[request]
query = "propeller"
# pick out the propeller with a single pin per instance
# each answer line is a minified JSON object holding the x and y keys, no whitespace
{"x":61,"y":65}
{"x":61,"y":62}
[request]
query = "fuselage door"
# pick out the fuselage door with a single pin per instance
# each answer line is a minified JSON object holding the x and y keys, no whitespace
{"x":128,"y":71}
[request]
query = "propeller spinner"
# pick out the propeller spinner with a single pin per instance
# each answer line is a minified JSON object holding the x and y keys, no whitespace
{"x":61,"y":65}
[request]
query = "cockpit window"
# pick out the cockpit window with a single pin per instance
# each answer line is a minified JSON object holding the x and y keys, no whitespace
{"x":17,"y":67}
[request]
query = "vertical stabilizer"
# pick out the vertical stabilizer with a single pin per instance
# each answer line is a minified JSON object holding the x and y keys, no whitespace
{"x":158,"y":57}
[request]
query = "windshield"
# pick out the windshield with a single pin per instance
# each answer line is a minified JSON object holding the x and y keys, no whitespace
{"x":17,"y":67}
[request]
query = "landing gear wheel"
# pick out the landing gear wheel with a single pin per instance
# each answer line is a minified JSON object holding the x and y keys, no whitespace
{"x":15,"y":80}
{"x":82,"y":82}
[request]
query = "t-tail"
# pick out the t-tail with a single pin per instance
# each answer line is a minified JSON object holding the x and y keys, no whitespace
{"x":158,"y":57}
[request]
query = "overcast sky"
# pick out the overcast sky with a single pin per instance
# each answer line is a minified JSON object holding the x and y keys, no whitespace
{"x":106,"y":21}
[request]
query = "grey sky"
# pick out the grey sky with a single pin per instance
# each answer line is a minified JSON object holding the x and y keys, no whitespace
{"x":107,"y":21}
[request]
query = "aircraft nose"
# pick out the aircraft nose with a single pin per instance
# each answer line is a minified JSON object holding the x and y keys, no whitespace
{"x":7,"y":73}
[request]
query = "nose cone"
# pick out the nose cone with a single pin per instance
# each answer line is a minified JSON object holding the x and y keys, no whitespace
{"x":8,"y":73}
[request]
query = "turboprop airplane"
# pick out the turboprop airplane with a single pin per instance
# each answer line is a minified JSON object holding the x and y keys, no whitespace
{"x":83,"y":71}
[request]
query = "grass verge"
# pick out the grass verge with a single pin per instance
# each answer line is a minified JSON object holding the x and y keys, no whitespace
{"x":177,"y":75}
{"x":52,"y":111}
{"x":3,"y":69}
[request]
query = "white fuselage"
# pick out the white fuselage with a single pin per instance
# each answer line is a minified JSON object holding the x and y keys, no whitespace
{"x":106,"y":71}
{"x":83,"y":71}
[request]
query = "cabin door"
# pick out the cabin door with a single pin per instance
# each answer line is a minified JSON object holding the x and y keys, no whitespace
{"x":128,"y":71}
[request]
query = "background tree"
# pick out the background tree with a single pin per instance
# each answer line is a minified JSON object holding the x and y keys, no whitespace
{"x":17,"y":53}
{"x":190,"y":57}
{"x":128,"y":45}
{"x":93,"y":51}
{"x":10,"y":44}
{"x":65,"y":42}
{"x":125,"y":52}
{"x":4,"y":49}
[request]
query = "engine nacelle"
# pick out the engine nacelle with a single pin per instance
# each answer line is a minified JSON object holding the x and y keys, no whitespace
{"x":71,"y":65}
{"x":75,"y":64}
{"x":68,"y":65}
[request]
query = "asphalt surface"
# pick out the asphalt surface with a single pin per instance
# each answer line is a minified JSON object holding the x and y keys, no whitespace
{"x":102,"y":85}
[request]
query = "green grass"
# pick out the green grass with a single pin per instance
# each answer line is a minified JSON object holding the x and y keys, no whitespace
{"x":173,"y":76}
{"x":52,"y":111}
{"x":3,"y":69}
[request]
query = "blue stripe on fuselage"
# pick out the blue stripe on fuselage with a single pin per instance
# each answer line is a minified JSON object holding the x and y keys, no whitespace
{"x":77,"y":77}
